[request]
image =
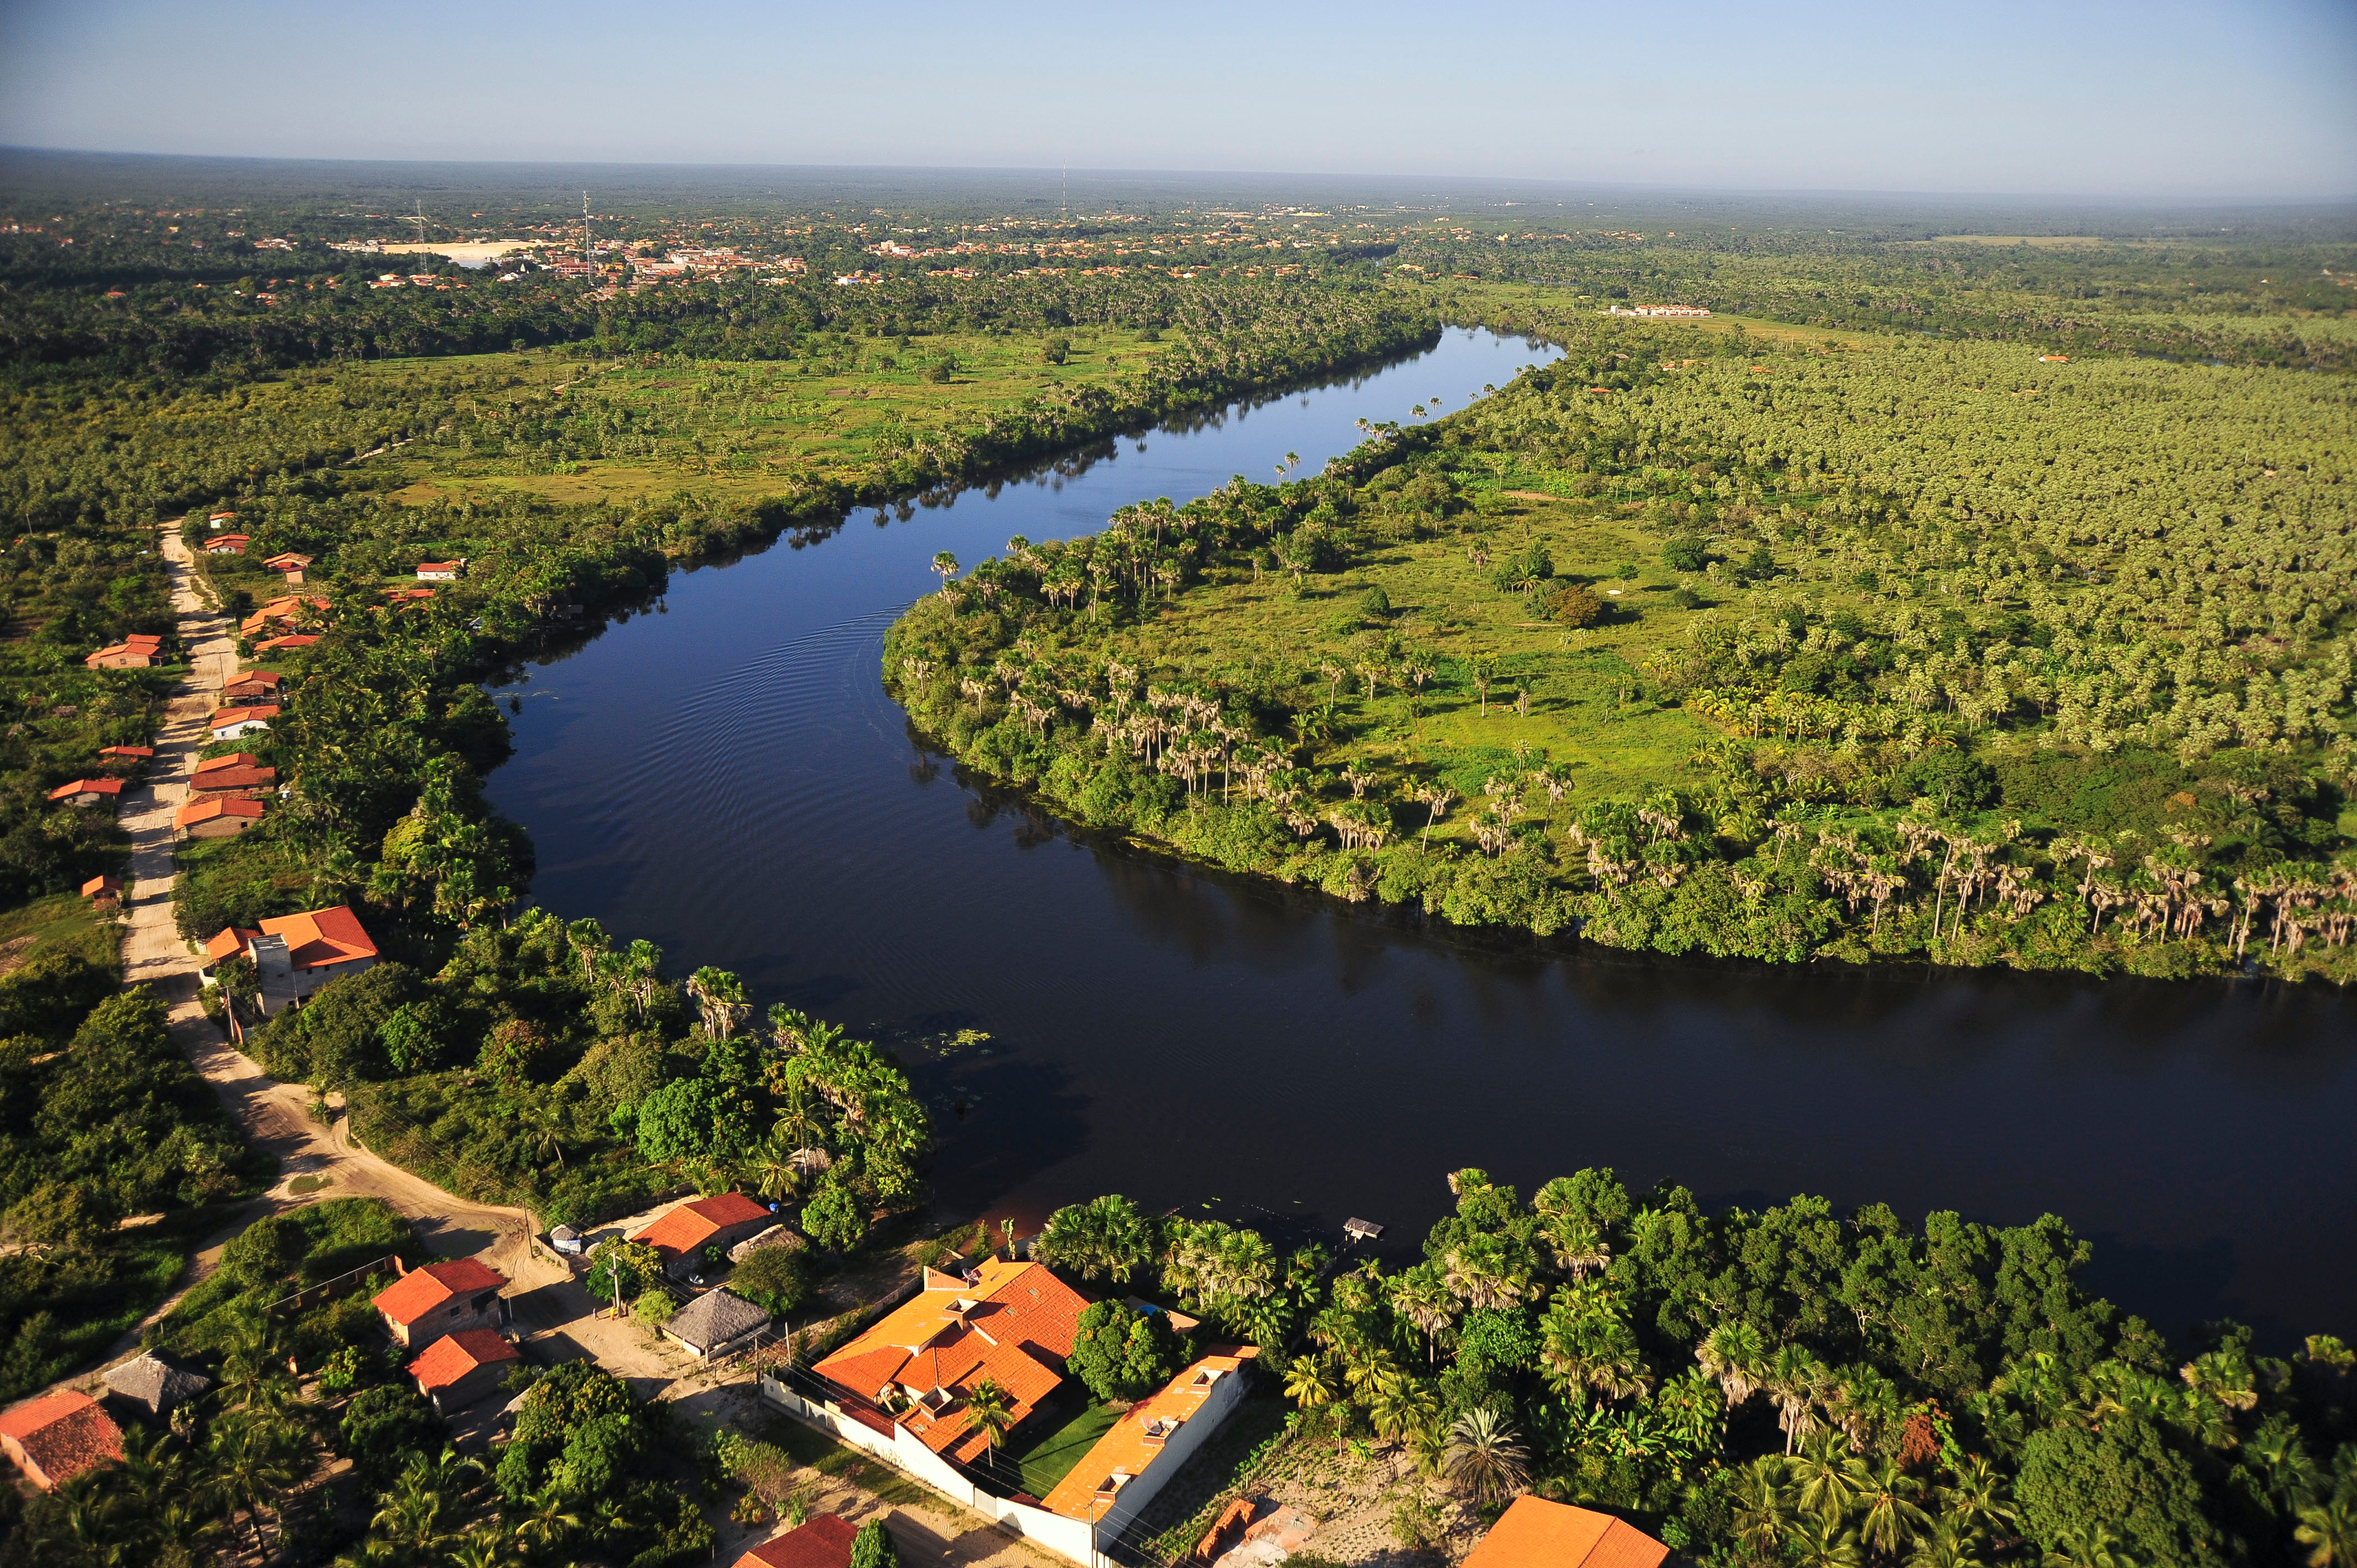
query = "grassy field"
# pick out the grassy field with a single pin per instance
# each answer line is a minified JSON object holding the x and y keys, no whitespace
{"x":1582,"y":684}
{"x":61,"y":922}
{"x":735,"y":428}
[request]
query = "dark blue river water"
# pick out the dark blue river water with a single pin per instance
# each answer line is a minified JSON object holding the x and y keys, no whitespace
{"x":729,"y":779}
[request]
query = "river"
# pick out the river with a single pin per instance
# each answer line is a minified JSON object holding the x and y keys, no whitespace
{"x":726,"y":777}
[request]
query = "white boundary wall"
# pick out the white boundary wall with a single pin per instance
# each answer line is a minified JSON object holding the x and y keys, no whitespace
{"x":1072,"y":1538}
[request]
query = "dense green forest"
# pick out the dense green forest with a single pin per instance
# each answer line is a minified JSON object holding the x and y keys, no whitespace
{"x":1777,"y":1386}
{"x":102,"y":1123}
{"x":1710,"y":642}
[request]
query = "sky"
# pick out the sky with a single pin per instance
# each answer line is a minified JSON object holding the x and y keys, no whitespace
{"x":2250,"y":101}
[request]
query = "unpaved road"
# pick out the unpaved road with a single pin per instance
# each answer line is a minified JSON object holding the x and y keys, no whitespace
{"x":276,"y":1116}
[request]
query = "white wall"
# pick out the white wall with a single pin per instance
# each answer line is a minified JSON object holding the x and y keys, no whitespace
{"x":1072,"y":1538}
{"x":1225,"y":1395}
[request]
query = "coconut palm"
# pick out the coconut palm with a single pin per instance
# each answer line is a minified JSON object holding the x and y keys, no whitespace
{"x":1978,"y":1498}
{"x":485,"y":1546}
{"x":544,"y":1518}
{"x":2094,"y":1547}
{"x":1815,"y":1542}
{"x":1312,"y":1382}
{"x":1403,"y":1408}
{"x":1764,"y":1507}
{"x":1372,"y":1369}
{"x":256,"y":1457}
{"x":1485,"y":1456}
{"x":1947,"y":1544}
{"x":945,"y":566}
{"x":992,"y":1408}
{"x":1825,"y":1479}
{"x":1887,"y":1496}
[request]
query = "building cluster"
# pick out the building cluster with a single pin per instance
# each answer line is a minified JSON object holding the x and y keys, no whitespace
{"x":1656,"y":310}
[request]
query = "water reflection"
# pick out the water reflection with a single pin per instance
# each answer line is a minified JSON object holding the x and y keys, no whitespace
{"x":729,"y":782}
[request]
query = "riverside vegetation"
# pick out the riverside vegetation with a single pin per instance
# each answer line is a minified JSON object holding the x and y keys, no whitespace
{"x":572,"y":443}
{"x":1779,"y":1386}
{"x":1695,"y":641}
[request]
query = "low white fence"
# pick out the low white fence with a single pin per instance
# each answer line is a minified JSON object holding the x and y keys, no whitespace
{"x":1072,"y":1538}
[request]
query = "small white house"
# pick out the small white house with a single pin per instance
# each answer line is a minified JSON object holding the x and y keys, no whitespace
{"x":232,"y":723}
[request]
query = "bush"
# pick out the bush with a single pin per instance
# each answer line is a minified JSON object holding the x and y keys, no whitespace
{"x":872,"y":1547}
{"x":1121,"y":1354}
{"x":834,"y":1217}
{"x":1572,"y":605}
{"x":774,"y":1277}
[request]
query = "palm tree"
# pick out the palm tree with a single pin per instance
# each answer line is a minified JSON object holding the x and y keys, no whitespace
{"x":1734,"y":1354}
{"x":545,"y":1519}
{"x":991,"y":1407}
{"x":1579,"y":1247}
{"x":485,"y":1546}
{"x":1311,"y":1381}
{"x":543,"y":1133}
{"x":1814,"y":1543}
{"x":1372,"y":1369}
{"x":2328,"y":1530}
{"x":1796,"y":1381}
{"x":1828,"y":1481}
{"x":2094,"y":1547}
{"x":257,"y":1457}
{"x":1763,"y":1508}
{"x":1887,"y":1494}
{"x":1485,"y":1456}
{"x":720,"y":997}
{"x":1420,"y":1296}
{"x":1978,"y":1499}
{"x":1948,"y":1544}
{"x":1402,"y":1408}
{"x":945,"y":566}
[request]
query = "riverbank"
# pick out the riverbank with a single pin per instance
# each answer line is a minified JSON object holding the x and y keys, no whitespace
{"x":1469,"y":671}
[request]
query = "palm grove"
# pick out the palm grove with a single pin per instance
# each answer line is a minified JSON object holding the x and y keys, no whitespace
{"x":1963,"y":657}
{"x":1777,"y":1386}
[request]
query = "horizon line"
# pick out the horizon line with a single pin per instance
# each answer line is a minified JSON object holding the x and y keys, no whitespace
{"x":2348,"y":200}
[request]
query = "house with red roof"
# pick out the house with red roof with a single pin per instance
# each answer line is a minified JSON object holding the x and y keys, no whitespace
{"x":127,"y":756}
{"x":1536,"y":1533}
{"x":459,"y":1369}
{"x":293,"y":955}
{"x":246,"y":782}
{"x":253,"y":688}
{"x":138,"y":652}
{"x":436,"y":1299}
{"x":440,"y":571}
{"x":822,"y":1542}
{"x":57,"y":1438}
{"x":682,"y":1236}
{"x":236,"y":724}
{"x":105,"y":892}
{"x":288,"y":561}
{"x":88,"y":792}
{"x":287,"y":644}
{"x":1013,"y":1323}
{"x":227,"y":543}
{"x":217,"y":817}
{"x":288,"y":610}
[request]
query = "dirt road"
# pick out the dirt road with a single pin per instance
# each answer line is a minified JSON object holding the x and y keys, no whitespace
{"x":276,"y":1116}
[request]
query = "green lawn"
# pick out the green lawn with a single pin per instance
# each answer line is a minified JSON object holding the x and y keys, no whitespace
{"x":1053,"y":1456}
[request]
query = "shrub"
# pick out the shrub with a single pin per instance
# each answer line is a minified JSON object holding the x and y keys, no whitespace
{"x":774,"y":1277}
{"x":1572,"y":605}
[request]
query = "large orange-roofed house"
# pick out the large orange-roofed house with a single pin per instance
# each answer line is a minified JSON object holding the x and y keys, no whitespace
{"x":449,"y":1297}
{"x":1536,"y":1533}
{"x":1013,"y":1323}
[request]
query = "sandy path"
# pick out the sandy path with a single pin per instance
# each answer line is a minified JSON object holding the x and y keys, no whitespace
{"x":275,"y":1116}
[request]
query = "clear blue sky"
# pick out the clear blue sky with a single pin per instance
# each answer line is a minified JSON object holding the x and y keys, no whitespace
{"x":2158,"y":99}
